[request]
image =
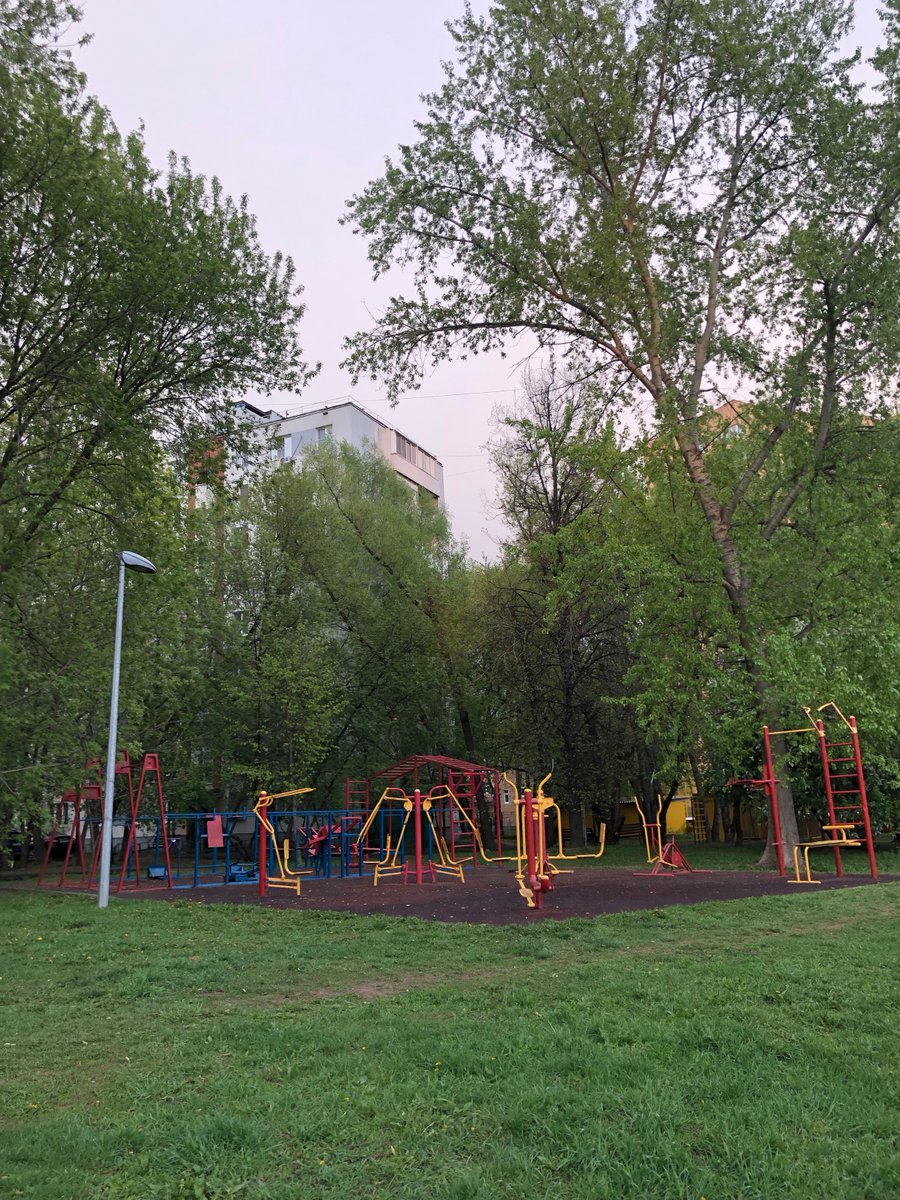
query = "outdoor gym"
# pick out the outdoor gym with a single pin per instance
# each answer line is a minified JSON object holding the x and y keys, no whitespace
{"x":368,"y":1047}
{"x":409,"y":839}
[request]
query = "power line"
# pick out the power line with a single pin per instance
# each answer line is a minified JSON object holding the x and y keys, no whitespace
{"x":313,"y":405}
{"x":444,"y":395}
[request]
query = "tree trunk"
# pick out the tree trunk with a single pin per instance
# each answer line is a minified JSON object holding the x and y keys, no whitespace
{"x":577,"y":825}
{"x":736,"y":583}
{"x":28,"y":839}
{"x":790,"y":834}
{"x":737,"y":832}
{"x":663,"y":831}
{"x":486,"y":818}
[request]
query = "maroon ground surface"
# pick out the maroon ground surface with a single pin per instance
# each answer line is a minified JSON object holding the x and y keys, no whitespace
{"x":490,"y":895}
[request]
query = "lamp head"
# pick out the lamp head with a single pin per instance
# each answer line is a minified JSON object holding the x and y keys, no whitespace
{"x":136,"y":562}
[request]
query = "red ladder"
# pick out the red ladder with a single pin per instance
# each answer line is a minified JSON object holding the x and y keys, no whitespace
{"x":356,"y":790}
{"x":464,"y":785}
{"x":853,"y":806}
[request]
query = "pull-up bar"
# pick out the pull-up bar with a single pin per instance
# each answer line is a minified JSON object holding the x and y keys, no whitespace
{"x":805,"y":729}
{"x":769,"y":783}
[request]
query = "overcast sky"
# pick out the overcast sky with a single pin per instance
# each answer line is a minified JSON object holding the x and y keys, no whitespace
{"x":297,"y":103}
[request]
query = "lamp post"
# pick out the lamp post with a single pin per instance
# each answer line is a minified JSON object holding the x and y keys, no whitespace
{"x":134,"y":562}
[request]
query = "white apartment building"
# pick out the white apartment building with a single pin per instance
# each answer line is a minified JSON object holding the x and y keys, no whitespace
{"x":347,"y":421}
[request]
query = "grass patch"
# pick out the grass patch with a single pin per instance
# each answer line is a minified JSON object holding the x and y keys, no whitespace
{"x":184,"y":1050}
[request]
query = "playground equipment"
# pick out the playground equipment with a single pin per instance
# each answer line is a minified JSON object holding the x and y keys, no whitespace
{"x":286,"y":877}
{"x":665,"y":858}
{"x":179,"y":849}
{"x":81,"y":809}
{"x":535,"y":865}
{"x":131,"y":850}
{"x":416,"y":807}
{"x":846,"y":816}
{"x":840,"y":837}
{"x":465,"y":780}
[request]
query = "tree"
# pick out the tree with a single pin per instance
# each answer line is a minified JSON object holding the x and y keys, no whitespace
{"x":131,"y":309}
{"x":556,"y":623}
{"x":397,"y":584}
{"x":680,"y":198}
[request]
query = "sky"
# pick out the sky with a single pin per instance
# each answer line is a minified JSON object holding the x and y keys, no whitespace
{"x":297,"y":103}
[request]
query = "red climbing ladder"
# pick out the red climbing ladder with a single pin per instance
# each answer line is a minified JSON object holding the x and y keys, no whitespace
{"x":465,"y":786}
{"x":358,"y":799}
{"x":842,"y":765}
{"x":356,"y":794}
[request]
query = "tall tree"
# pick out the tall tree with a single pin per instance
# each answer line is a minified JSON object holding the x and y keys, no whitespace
{"x":131,"y":308}
{"x":555,"y":618}
{"x":679,"y":196}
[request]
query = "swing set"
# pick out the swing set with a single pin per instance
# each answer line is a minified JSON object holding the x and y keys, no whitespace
{"x":81,"y":808}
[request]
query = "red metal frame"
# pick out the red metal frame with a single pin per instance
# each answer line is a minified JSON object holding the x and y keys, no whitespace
{"x":439,"y":764}
{"x":79,"y":798}
{"x":839,"y":812}
{"x":92,"y":793}
{"x":769,"y":783}
{"x":670,"y":861}
{"x":149,"y":766}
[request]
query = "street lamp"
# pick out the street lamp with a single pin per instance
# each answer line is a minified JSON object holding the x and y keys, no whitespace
{"x":134,"y":562}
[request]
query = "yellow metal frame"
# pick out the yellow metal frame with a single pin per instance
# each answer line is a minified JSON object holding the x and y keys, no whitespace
{"x":286,"y":877}
{"x":830,"y":704}
{"x":659,"y":858}
{"x":390,"y":865}
{"x":647,"y":826}
{"x":841,"y":838}
{"x":448,"y":865}
{"x":542,"y":804}
{"x":387,"y":866}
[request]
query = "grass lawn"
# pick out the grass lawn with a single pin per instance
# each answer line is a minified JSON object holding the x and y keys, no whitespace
{"x":741,"y":1050}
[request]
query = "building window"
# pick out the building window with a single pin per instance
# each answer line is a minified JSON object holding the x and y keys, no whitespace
{"x":415,"y":454}
{"x":323,"y":434}
{"x":406,"y":449}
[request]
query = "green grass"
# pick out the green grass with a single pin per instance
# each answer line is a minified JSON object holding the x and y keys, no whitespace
{"x":737,"y":1050}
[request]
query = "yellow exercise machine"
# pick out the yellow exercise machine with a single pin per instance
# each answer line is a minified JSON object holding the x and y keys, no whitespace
{"x":415,"y":807}
{"x":286,"y":877}
{"x":665,"y":858}
{"x":535,"y":864}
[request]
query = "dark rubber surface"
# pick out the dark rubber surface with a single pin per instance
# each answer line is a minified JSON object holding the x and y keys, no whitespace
{"x":490,"y":894}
